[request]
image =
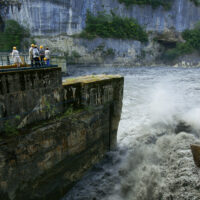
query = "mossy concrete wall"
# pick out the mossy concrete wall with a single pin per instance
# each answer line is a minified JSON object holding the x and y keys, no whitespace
{"x":27,"y":96}
{"x":46,"y":158}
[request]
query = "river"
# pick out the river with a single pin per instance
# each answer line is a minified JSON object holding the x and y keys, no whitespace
{"x":153,"y":158}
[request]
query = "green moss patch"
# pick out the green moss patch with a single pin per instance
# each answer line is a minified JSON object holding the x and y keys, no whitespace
{"x":154,"y":3}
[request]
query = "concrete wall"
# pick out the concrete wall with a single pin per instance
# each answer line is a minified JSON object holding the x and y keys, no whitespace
{"x":97,"y":91}
{"x":44,"y":160}
{"x":25,"y":96}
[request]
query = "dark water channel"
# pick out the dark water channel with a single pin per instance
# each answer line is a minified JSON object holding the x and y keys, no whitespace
{"x":153,"y":159}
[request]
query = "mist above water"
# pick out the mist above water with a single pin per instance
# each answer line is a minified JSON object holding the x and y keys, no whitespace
{"x":153,"y":158}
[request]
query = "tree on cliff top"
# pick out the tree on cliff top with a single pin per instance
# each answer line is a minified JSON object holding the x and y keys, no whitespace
{"x":154,"y":3}
{"x":12,"y":35}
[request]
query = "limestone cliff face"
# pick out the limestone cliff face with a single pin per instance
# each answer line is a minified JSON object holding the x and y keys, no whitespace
{"x":54,"y":21}
{"x":48,"y":17}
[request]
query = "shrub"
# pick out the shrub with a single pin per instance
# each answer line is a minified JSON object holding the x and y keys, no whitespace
{"x":75,"y":54}
{"x":108,"y":52}
{"x":192,"y":37}
{"x":192,"y":42}
{"x":12,"y":35}
{"x":196,"y":2}
{"x":9,"y":129}
{"x":73,"y":57}
{"x":112,"y":26}
{"x":180,"y":49}
{"x":153,"y":3}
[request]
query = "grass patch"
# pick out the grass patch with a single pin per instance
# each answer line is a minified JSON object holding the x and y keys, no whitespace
{"x":10,"y":130}
{"x":70,"y":111}
{"x":154,"y":3}
{"x":112,"y":26}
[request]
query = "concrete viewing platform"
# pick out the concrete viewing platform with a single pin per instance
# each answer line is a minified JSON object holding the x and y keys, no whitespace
{"x":30,"y":93}
{"x":51,"y":132}
{"x":24,"y":68}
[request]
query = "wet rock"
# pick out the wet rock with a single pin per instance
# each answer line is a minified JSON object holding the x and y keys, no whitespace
{"x":169,"y":38}
{"x":183,"y":127}
{"x":196,"y":154}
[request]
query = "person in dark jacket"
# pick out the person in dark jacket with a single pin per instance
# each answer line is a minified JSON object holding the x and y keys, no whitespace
{"x":42,"y":55}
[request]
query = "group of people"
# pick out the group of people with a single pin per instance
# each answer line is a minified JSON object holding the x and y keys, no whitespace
{"x":38,"y":57}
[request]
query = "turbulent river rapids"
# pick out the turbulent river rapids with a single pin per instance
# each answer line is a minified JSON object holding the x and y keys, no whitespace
{"x":160,"y":119}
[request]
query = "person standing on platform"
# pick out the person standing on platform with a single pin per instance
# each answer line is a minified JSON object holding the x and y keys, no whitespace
{"x":15,"y":56}
{"x":36,"y":56}
{"x":47,"y":56}
{"x":42,"y":55}
{"x":31,"y":54}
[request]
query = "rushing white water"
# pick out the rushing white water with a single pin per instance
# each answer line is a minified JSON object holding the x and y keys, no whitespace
{"x":153,"y":158}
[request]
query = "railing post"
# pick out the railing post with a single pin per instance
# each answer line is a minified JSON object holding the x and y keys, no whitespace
{"x":2,"y":60}
{"x":8,"y":60}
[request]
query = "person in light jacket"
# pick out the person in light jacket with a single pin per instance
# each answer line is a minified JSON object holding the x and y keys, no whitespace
{"x":15,"y":56}
{"x":36,"y":56}
{"x":31,"y":54}
{"x":47,"y":56}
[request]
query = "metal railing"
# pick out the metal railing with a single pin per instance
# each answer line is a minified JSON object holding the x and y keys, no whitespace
{"x":6,"y":59}
{"x":27,"y":68}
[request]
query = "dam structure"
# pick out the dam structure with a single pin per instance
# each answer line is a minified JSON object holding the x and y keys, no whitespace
{"x":53,"y":131}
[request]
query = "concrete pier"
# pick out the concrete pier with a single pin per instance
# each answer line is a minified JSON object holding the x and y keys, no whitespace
{"x":53,"y":132}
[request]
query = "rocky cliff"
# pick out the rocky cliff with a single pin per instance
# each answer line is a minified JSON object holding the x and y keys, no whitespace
{"x":48,"y":17}
{"x":52,"y":19}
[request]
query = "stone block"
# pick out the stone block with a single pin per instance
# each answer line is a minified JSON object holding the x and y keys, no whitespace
{"x":196,"y":154}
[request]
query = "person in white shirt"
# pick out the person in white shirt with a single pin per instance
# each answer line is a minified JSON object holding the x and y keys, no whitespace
{"x":36,"y":56}
{"x":15,"y":56}
{"x":31,"y":54}
{"x":47,"y":56}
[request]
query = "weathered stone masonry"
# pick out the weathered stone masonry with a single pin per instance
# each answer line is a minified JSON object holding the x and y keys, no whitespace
{"x":46,"y":158}
{"x":25,"y":96}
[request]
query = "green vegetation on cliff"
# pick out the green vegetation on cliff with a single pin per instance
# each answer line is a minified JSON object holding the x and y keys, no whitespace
{"x":196,"y":2}
{"x":12,"y":35}
{"x":112,"y":26}
{"x":153,"y":3}
{"x":192,"y":42}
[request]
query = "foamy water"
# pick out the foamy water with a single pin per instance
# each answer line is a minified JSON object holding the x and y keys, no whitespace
{"x":151,"y":160}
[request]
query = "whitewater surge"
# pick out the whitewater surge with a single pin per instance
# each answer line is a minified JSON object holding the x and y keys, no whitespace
{"x":160,"y":119}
